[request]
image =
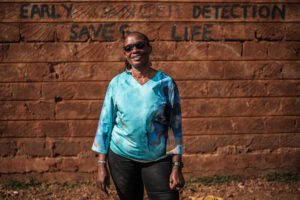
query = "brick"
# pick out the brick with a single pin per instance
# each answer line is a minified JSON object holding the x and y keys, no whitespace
{"x":60,"y":71}
{"x":260,"y":107}
{"x":71,"y":148}
{"x":79,"y":128}
{"x":287,"y":50}
{"x":149,"y":28}
{"x":20,"y":91}
{"x":78,"y":109}
{"x":238,"y":107}
{"x":34,"y":148}
{"x":158,"y":49}
{"x":201,"y":126}
{"x":69,"y":165}
{"x":106,"y":71}
{"x":65,"y":176}
{"x":233,"y":31}
{"x":189,"y":51}
{"x":249,"y":125}
{"x":189,"y":89}
{"x":40,"y":71}
{"x":290,"y":141}
{"x":224,"y":50}
{"x":9,"y":32}
{"x":12,"y":72}
{"x":269,"y":32}
{"x":83,"y":90}
{"x":271,"y":50}
{"x":192,"y":70}
{"x":292,"y":31}
{"x":19,"y":129}
{"x":284,"y":88}
{"x":291,"y":106}
{"x":16,"y":72}
{"x":269,"y":70}
{"x":38,"y":32}
{"x":56,"y":52}
{"x":236,"y":88}
{"x":74,"y":71}
{"x":89,"y":71}
{"x":179,"y":51}
{"x":255,"y":50}
{"x":35,"y":52}
{"x":26,"y":110}
{"x":88,"y":165}
{"x":240,"y":125}
{"x":234,"y":70}
{"x":260,"y":70}
{"x":8,"y":148}
{"x":96,"y":107}
{"x":230,"y":144}
{"x":21,"y":165}
{"x":192,"y":89}
{"x":283,"y":124}
{"x":291,"y":71}
{"x":242,"y":164}
{"x":55,"y":128}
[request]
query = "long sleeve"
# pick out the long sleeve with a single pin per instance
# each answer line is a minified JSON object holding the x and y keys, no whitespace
{"x":175,"y":117}
{"x":106,"y":123}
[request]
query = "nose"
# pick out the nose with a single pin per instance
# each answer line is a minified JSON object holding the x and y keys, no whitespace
{"x":134,"y":49}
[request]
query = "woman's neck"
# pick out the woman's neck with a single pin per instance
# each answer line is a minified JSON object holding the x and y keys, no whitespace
{"x":144,"y":71}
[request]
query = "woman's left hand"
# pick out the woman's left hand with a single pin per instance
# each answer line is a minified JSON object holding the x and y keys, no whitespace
{"x":176,"y":179}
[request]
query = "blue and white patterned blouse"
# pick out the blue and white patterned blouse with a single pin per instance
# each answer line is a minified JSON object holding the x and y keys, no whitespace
{"x":135,"y":119}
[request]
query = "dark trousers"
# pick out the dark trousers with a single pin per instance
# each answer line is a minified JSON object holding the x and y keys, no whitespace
{"x":130,"y":176}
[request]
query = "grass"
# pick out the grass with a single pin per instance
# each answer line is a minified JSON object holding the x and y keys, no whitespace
{"x":214,"y":180}
{"x":18,"y":185}
{"x":208,"y":180}
{"x":282,"y":177}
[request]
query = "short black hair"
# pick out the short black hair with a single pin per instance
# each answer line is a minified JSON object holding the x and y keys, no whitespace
{"x":141,"y":34}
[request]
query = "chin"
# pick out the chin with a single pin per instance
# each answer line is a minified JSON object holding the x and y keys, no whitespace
{"x":136,"y":65}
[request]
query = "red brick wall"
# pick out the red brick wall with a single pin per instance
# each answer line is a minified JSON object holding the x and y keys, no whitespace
{"x":236,"y":64}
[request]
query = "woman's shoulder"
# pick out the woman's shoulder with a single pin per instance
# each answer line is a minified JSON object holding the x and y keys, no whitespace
{"x":118,"y":77}
{"x":166,"y":78}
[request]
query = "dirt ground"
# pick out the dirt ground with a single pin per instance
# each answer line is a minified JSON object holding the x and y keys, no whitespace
{"x":252,"y":189}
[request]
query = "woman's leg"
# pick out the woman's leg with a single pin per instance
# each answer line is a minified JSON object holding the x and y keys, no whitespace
{"x":156,"y":177}
{"x":126,"y":175}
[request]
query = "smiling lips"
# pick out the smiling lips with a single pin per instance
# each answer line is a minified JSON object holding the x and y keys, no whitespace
{"x":136,"y":57}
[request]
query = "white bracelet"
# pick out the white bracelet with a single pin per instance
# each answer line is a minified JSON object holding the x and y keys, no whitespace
{"x":101,"y":162}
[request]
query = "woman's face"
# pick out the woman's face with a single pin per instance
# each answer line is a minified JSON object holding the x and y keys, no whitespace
{"x":136,"y":50}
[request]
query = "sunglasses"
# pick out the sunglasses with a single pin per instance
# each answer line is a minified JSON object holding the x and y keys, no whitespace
{"x":138,"y":45}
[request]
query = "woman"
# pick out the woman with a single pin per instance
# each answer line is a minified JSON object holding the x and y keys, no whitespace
{"x":140,"y":105}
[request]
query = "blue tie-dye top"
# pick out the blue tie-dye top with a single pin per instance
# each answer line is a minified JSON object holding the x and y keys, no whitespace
{"x":135,"y":119}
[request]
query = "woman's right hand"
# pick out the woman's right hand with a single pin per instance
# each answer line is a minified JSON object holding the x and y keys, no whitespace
{"x":103,"y":180}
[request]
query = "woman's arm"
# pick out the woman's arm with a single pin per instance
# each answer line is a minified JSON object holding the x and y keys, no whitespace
{"x":103,"y":175}
{"x":176,"y":177}
{"x":103,"y":136}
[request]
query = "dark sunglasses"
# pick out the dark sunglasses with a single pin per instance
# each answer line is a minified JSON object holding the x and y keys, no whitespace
{"x":138,"y":45}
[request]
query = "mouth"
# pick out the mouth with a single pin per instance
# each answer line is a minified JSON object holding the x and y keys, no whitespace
{"x":136,"y":57}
